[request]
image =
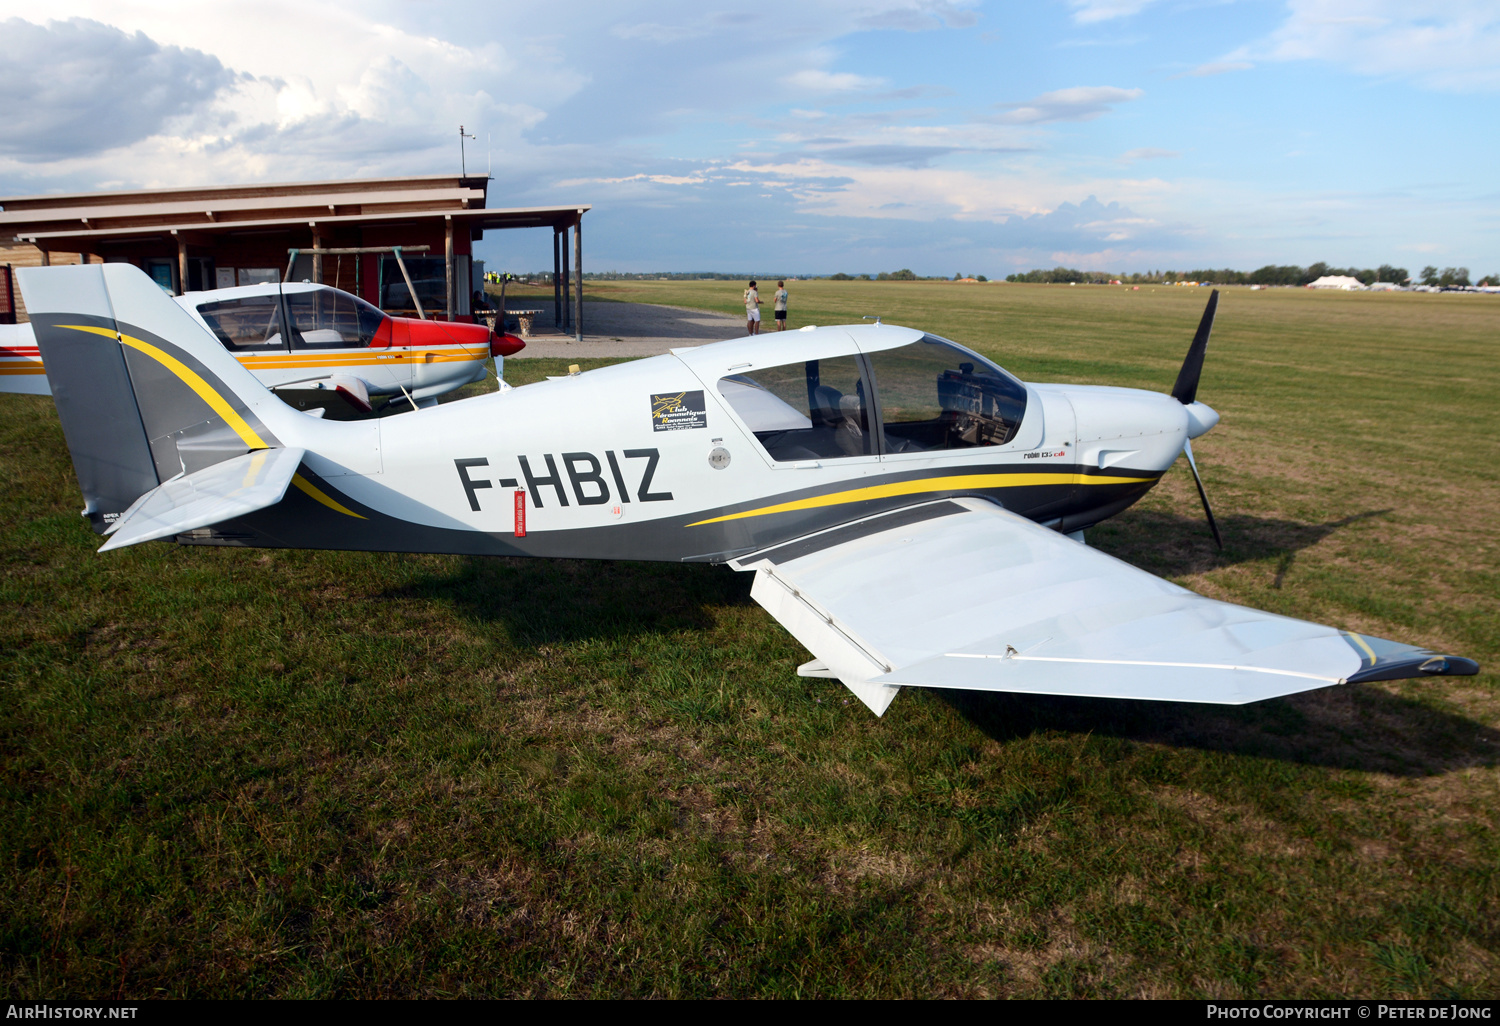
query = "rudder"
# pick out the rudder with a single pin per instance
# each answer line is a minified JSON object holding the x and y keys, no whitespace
{"x":142,"y":392}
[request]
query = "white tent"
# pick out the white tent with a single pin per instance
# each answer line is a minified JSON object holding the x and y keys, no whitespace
{"x":1337,"y":281}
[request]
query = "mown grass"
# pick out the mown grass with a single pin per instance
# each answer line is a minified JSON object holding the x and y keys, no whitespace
{"x":332,"y":774}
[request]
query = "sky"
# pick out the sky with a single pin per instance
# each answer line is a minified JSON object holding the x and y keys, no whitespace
{"x":810,"y":136}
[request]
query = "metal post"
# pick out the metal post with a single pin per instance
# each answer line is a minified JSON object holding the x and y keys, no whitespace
{"x":448,"y":265}
{"x":409,"y":286}
{"x":578,"y":268}
{"x":556,"y":283}
{"x":567,"y":287}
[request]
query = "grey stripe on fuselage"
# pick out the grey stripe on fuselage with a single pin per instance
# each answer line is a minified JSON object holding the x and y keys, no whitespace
{"x":300,"y":521}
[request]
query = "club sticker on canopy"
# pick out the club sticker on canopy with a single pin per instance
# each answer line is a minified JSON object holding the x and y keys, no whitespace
{"x":678,"y":411}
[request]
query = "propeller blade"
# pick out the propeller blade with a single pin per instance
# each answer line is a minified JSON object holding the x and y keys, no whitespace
{"x":1186,"y":389}
{"x":1187,"y":448}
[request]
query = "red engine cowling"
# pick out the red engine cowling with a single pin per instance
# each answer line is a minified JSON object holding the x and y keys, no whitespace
{"x":408,"y":331}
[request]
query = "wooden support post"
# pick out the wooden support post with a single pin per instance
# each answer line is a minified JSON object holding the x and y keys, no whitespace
{"x":556,"y":283}
{"x":578,"y":269}
{"x":448,"y":264}
{"x":410,"y":287}
{"x":182,"y":277}
{"x":317,"y":257}
{"x":567,"y":286}
{"x":46,"y":259}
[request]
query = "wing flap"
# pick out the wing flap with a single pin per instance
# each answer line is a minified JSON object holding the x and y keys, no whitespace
{"x":209,"y":496}
{"x":974,"y":597}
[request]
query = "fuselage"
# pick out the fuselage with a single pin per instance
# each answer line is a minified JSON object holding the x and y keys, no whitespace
{"x":658,"y":458}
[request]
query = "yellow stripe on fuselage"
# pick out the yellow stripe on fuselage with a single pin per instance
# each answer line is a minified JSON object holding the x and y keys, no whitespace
{"x":280,"y":361}
{"x":954,"y":483}
{"x":308,"y":488}
{"x":189,"y":377}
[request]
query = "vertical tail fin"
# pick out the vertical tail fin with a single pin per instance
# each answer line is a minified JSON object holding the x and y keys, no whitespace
{"x":143,"y":392}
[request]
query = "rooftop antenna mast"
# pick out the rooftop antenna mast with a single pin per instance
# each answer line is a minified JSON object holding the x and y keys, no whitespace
{"x":462,"y":165}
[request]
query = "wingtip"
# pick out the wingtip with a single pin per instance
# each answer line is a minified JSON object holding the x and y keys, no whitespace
{"x":1420,"y":665}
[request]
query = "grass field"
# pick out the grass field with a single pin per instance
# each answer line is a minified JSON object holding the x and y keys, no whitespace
{"x":246,"y":773}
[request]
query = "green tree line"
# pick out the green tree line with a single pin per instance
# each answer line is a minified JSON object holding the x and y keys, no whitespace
{"x":1271,"y":274}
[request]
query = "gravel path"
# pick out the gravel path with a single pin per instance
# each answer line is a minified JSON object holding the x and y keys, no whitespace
{"x":630,"y":329}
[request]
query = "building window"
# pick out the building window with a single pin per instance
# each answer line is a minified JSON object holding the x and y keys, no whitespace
{"x":161,"y":273}
{"x":259,"y":275}
{"x":428,"y":274}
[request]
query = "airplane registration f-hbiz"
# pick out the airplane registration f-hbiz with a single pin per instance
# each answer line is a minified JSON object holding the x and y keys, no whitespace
{"x":912,"y":513}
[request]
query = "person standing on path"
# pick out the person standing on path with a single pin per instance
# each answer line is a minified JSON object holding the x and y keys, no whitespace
{"x":780,"y":306}
{"x":752,"y":310}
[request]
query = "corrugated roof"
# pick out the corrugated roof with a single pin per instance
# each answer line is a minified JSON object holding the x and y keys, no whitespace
{"x":53,"y":220}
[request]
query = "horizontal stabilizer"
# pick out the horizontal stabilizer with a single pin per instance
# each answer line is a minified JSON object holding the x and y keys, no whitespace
{"x":209,"y":496}
{"x":961,"y":594}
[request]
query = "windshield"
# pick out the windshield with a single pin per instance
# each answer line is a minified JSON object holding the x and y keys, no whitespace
{"x":245,"y":325}
{"x":936,"y":396}
{"x":330,"y":319}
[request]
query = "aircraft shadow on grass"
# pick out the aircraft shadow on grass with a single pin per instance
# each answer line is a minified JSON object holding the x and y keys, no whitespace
{"x":1175,"y":545}
{"x":1362,"y":727}
{"x":1355,"y":726}
{"x":550,"y":601}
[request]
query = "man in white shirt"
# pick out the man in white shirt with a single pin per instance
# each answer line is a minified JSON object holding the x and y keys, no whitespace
{"x":780,"y":298}
{"x":752,"y":310}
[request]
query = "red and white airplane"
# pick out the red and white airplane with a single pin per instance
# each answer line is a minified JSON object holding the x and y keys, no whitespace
{"x":299,"y":339}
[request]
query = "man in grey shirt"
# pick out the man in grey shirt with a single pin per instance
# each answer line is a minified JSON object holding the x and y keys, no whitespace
{"x":781,"y":306}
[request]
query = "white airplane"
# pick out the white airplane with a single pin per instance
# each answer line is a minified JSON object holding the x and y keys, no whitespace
{"x":912,"y":514}
{"x":337,"y":344}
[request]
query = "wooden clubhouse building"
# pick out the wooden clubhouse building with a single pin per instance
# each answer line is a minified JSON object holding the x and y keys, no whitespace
{"x":344,"y":233}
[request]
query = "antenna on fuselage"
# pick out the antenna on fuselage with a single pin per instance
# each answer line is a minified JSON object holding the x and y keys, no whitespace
{"x":874,"y":317}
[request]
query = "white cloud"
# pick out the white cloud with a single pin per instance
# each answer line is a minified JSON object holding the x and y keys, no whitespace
{"x":816,"y":80}
{"x":1452,"y":45}
{"x":78,"y":86}
{"x":1148,"y":153}
{"x":1220,"y":68}
{"x":831,"y":187}
{"x":1080,"y":103}
{"x":653,"y":33}
{"x":920,"y":15}
{"x":1088,"y":11}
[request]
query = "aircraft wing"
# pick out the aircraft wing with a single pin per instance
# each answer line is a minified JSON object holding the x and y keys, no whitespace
{"x":959,"y":593}
{"x":206,"y":497}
